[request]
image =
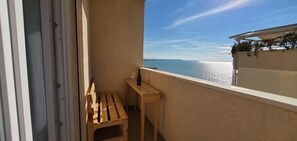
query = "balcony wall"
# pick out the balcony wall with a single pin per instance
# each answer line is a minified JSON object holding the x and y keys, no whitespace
{"x":193,"y":109}
{"x":83,"y":42}
{"x":275,"y":60}
{"x":270,"y":71}
{"x":274,"y":81}
{"x":116,"y":31}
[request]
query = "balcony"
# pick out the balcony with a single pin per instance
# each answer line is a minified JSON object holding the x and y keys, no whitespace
{"x":111,"y":49}
{"x":78,"y":40}
{"x":193,"y":109}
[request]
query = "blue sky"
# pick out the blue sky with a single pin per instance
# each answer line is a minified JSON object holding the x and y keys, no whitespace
{"x":200,"y":29}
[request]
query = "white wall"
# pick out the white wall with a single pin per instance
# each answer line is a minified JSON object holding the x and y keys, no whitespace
{"x":193,"y":109}
{"x":273,"y":81}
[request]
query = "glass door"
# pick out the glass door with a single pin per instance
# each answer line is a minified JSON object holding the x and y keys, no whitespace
{"x":35,"y":69}
{"x":41,"y":70}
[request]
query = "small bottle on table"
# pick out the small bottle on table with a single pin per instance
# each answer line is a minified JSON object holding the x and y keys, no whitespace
{"x":138,"y":79}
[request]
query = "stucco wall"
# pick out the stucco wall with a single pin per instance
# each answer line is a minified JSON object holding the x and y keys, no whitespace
{"x":193,"y":109}
{"x":116,"y":29}
{"x":83,"y":25}
{"x":270,"y":71}
{"x":274,"y":81}
{"x":277,"y":60}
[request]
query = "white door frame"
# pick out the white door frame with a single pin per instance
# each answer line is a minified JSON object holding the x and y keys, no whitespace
{"x":49,"y":69}
{"x":70,"y":57}
{"x":13,"y":71}
{"x":59,"y":42}
{"x":67,"y":69}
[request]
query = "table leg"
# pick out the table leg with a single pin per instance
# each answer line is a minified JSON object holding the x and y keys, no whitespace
{"x":126,"y":96}
{"x":136,"y":101}
{"x":142,"y":126}
{"x":156,"y":121}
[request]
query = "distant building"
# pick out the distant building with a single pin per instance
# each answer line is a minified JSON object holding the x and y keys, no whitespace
{"x":267,"y":69}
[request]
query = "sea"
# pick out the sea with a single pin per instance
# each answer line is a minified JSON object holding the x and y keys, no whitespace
{"x":219,"y":72}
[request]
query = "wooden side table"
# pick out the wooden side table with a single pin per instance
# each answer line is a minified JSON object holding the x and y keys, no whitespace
{"x":147,"y":94}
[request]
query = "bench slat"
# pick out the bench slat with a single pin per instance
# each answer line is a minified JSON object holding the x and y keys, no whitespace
{"x":94,"y":98}
{"x":111,"y":108}
{"x":120,"y":138}
{"x":103,"y":109}
{"x":119,"y":107}
{"x":89,"y":103}
{"x":94,"y":104}
{"x":108,"y":106}
{"x":92,"y":89}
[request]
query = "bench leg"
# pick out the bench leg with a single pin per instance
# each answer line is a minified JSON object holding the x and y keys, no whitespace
{"x":125,"y":130}
{"x":156,"y":121}
{"x":90,"y":131}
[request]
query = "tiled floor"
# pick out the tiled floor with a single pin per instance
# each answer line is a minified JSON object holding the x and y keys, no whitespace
{"x":133,"y":129}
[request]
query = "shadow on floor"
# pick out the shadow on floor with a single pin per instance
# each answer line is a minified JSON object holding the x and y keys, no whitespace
{"x":133,"y":129}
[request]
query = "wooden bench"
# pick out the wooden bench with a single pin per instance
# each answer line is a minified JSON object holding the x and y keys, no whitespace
{"x":104,"y":111}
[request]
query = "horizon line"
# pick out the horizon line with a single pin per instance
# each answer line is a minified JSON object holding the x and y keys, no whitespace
{"x":187,"y":60}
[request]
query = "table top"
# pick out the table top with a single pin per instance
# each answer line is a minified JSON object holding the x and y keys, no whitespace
{"x":143,"y":89}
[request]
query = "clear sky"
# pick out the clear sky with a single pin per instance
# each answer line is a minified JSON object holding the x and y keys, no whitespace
{"x":200,"y":29}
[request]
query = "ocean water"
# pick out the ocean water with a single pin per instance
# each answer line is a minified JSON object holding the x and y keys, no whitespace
{"x":219,"y":72}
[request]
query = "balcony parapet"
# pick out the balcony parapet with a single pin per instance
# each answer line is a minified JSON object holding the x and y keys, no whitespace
{"x":264,"y":97}
{"x":194,"y":109}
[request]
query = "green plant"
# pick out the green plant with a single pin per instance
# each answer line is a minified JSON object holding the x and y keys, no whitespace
{"x":242,"y":46}
{"x":289,"y":40}
{"x":269,"y":43}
